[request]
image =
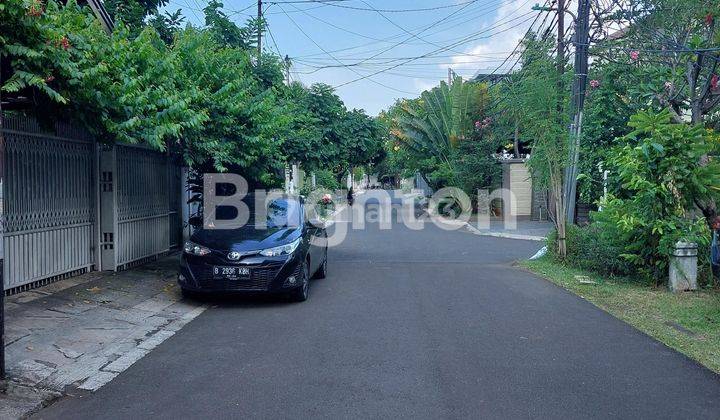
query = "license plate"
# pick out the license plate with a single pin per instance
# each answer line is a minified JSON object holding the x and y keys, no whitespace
{"x":231,"y":272}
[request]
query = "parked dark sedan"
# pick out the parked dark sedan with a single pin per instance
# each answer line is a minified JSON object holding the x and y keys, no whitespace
{"x":279,"y":257}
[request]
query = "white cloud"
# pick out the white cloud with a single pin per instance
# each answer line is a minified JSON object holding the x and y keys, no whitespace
{"x":424,"y":84}
{"x":488,"y":53}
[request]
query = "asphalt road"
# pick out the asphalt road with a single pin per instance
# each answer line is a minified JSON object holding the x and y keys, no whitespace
{"x":422,"y":324}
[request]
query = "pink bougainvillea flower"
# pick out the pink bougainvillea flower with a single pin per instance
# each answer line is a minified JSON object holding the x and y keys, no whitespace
{"x":709,"y":19}
{"x":65,"y":43}
{"x":478,"y":124}
{"x":714,"y":80}
{"x":36,"y":9}
{"x":634,"y":55}
{"x":594,"y":83}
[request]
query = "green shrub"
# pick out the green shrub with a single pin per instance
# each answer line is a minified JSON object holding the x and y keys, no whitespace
{"x":326,"y":179}
{"x":661,"y":179}
{"x":591,"y":248}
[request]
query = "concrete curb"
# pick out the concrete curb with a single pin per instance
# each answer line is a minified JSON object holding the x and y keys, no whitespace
{"x":477,"y":231}
{"x":505,"y":235}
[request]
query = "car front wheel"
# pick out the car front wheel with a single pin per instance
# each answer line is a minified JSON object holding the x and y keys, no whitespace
{"x":302,"y":293}
{"x":322,"y":271}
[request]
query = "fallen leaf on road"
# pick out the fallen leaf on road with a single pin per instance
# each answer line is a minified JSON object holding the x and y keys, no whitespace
{"x":94,"y":289}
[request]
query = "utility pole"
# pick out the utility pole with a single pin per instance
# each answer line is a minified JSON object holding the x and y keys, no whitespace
{"x":560,"y":41}
{"x":259,"y":29}
{"x":287,"y":70}
{"x":582,"y":41}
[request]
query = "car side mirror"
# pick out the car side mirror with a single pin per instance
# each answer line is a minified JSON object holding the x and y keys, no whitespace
{"x":315,"y":223}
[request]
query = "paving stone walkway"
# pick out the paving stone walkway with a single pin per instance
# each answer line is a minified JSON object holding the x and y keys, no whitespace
{"x":83,"y":331}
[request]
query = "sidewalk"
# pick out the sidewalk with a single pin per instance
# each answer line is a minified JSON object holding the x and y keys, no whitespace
{"x":524,"y":229}
{"x":527,"y":230}
{"x":83,"y":331}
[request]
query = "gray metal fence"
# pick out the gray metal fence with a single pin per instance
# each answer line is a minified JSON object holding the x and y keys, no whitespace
{"x":51,"y":204}
{"x":142,"y":204}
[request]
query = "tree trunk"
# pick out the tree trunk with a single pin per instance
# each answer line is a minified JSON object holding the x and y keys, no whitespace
{"x":516,"y":139}
{"x":556,"y":186}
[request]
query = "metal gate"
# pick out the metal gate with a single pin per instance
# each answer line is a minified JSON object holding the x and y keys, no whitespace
{"x":49,"y":202}
{"x":146,"y":225}
{"x":56,"y":211}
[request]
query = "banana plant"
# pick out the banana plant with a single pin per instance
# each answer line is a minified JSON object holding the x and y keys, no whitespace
{"x":441,"y":118}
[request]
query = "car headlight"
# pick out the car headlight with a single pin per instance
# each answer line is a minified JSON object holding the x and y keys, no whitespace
{"x":281,"y":250}
{"x":195,"y":249}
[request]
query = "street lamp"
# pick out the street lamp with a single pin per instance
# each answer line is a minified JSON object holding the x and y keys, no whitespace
{"x":539,"y":8}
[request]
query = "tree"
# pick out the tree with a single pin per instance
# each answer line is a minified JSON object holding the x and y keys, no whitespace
{"x":434,"y":124}
{"x":167,"y":24}
{"x":440,"y":118}
{"x":202,"y":93}
{"x":660,"y":168}
{"x":133,"y":13}
{"x":607,"y":112}
{"x":226,"y":32}
{"x":536,"y":104}
{"x":41,"y":47}
{"x":674,"y":45}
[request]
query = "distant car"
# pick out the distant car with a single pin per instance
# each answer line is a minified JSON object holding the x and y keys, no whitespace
{"x":279,"y":258}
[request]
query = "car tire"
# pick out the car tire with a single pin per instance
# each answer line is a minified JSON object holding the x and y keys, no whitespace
{"x":189,"y":294}
{"x":302,"y":293}
{"x":322,"y":271}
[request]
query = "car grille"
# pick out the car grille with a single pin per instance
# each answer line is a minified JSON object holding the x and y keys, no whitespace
{"x":260,"y":278}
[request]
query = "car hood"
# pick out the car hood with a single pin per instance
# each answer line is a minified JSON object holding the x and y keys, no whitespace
{"x":245,"y":238}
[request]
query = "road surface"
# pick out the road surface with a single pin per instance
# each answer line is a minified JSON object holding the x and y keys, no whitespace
{"x":422,"y":324}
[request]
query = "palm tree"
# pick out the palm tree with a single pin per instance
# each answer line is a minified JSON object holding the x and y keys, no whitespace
{"x":434,"y":123}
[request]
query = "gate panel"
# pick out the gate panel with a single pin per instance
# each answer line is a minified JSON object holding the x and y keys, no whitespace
{"x":49,"y":202}
{"x":142,"y":204}
{"x":175,"y":211}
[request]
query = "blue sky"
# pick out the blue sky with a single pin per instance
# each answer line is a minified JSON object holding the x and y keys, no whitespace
{"x":323,"y":39}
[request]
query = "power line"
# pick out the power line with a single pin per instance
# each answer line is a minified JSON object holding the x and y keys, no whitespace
{"x":422,"y":9}
{"x":272,"y":38}
{"x":414,"y":35}
{"x":470,"y":16}
{"x":467,"y":39}
{"x":322,"y":49}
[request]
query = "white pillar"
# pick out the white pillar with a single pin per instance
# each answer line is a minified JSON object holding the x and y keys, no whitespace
{"x":683,"y":267}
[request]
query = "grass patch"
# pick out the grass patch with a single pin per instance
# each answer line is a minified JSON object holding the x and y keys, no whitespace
{"x":687,"y":322}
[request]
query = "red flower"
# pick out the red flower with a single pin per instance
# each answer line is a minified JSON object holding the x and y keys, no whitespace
{"x":594,"y":83}
{"x":709,"y":19}
{"x":714,"y":81}
{"x":36,"y":9}
{"x":634,"y":55}
{"x":65,"y":43}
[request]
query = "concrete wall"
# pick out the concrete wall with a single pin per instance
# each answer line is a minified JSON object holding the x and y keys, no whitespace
{"x":516,"y":178}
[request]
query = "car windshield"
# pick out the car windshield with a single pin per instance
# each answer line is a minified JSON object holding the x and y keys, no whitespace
{"x":278,"y":212}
